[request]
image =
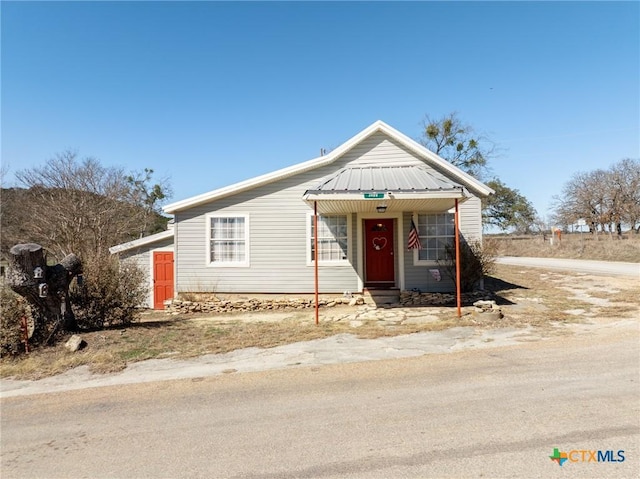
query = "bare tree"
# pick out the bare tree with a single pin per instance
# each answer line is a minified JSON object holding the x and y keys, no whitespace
{"x":625,"y":179}
{"x":605,"y":199}
{"x":76,"y":209}
{"x":78,"y":206}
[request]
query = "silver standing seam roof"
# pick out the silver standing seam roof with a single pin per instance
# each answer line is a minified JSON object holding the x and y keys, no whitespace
{"x":410,"y":178}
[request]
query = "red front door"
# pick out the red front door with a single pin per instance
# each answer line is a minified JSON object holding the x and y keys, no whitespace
{"x":378,"y":253}
{"x":162,"y":278}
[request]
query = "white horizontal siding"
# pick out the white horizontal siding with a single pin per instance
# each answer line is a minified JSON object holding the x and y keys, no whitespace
{"x":278,"y":244}
{"x":277,"y":236}
{"x":143,"y":258}
{"x":471,"y":219}
{"x":418,"y":276}
{"x":380,"y":150}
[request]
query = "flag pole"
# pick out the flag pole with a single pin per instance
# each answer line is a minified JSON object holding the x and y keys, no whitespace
{"x":457,"y":236}
{"x":315,"y":248}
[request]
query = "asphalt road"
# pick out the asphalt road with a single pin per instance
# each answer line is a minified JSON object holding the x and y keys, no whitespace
{"x":608,"y":268}
{"x":496,"y":412}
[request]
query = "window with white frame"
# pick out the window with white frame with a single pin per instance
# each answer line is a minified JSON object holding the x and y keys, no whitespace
{"x":333,"y":243}
{"x":229,"y":240}
{"x":436,"y":231}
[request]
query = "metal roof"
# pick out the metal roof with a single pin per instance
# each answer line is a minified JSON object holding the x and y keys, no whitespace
{"x":399,"y":188}
{"x":409,"y":178}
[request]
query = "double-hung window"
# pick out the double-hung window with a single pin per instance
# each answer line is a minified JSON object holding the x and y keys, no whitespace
{"x":333,"y":239}
{"x":436,"y":231}
{"x":228,"y":240}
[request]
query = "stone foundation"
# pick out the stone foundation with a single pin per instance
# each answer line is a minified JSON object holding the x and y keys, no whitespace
{"x":255,"y":304}
{"x":416,"y":298}
{"x":407,"y":298}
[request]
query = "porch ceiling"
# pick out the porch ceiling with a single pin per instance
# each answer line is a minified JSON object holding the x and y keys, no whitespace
{"x":399,"y":188}
{"x":435,"y":205}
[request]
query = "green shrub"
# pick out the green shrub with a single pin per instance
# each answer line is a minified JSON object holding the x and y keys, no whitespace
{"x":476,"y":261}
{"x":12,"y":309}
{"x":111,"y":293}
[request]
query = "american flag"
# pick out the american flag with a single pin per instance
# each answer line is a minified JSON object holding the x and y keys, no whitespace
{"x":414,"y":239}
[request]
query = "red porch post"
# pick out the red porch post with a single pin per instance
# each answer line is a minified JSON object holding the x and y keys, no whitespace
{"x":315,"y":248}
{"x":457,"y":236}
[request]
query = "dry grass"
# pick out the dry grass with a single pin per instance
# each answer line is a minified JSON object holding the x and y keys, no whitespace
{"x":528,"y":297}
{"x":602,"y":247}
{"x":542,"y":298}
{"x":182,"y":337}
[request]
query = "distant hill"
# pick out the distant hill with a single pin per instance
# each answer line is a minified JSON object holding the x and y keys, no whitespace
{"x":60,"y":217}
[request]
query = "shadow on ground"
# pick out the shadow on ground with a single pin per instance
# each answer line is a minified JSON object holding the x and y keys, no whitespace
{"x":497,"y":285}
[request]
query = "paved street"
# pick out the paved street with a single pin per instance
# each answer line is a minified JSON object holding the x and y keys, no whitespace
{"x":495,"y":412}
{"x":608,"y":268}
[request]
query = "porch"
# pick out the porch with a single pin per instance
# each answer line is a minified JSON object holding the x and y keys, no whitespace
{"x":382,"y":197}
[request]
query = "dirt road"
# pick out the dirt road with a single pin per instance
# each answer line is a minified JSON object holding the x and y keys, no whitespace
{"x":497,"y":412}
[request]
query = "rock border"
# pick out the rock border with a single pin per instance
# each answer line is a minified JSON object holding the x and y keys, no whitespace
{"x":407,"y":298}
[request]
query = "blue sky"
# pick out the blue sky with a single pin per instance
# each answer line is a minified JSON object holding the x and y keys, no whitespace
{"x":211,"y":93}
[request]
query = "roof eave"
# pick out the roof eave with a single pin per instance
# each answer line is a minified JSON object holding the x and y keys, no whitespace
{"x":450,"y":168}
{"x":246,"y":185}
{"x":378,"y":126}
{"x":273,"y":176}
{"x":120,"y":248}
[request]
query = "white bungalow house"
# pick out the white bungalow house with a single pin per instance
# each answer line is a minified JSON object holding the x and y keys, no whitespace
{"x":258,"y":236}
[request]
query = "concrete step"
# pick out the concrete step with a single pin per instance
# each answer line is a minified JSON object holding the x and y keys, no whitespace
{"x":381,"y":297}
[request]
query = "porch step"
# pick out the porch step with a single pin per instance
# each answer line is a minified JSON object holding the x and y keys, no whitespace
{"x":381,"y":297}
